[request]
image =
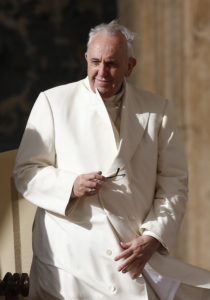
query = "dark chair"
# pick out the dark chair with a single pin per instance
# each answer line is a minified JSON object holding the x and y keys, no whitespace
{"x":16,"y":218}
{"x":14,"y":285}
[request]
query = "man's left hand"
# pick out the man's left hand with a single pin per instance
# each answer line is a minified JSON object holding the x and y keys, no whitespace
{"x":136,"y":254}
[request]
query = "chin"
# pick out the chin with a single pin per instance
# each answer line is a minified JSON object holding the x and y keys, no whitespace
{"x":105,"y":93}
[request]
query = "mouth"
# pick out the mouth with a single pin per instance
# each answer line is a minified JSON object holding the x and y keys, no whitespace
{"x":102,"y":81}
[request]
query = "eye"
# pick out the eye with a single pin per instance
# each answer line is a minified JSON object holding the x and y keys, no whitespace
{"x":112,"y":64}
{"x":95,"y":62}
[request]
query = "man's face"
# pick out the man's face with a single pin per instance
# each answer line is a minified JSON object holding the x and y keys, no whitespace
{"x":108,"y":63}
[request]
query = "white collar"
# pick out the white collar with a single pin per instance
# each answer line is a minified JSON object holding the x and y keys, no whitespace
{"x":113,"y":99}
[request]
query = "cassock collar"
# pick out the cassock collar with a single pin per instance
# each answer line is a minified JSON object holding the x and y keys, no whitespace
{"x":111,"y":100}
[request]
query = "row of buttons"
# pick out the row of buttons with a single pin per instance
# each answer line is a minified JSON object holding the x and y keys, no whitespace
{"x":112,"y":288}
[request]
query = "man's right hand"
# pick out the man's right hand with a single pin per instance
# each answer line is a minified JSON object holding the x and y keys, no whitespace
{"x":88,"y":184}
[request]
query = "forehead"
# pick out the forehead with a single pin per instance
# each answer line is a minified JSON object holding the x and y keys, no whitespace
{"x":104,"y":44}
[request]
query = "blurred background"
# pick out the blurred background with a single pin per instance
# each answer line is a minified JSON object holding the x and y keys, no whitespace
{"x":42,"y":44}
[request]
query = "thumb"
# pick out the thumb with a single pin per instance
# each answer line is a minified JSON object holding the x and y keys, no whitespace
{"x":124,"y":245}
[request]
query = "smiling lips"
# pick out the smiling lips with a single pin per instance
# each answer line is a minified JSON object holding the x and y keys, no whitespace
{"x":102,"y":81}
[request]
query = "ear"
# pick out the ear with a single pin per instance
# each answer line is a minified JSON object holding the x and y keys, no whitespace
{"x":131,"y":65}
{"x":86,"y":55}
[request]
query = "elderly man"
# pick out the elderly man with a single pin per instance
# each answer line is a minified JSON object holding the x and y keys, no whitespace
{"x":103,"y":163}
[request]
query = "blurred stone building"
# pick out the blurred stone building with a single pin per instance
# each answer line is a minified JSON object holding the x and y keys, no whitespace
{"x":42,"y":44}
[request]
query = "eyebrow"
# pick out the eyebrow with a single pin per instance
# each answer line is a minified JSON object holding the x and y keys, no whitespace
{"x":106,"y":62}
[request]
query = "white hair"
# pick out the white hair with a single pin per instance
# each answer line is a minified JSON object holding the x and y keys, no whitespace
{"x":113,"y":28}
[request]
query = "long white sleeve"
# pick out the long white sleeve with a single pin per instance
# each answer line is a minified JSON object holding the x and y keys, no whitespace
{"x":36,"y":175}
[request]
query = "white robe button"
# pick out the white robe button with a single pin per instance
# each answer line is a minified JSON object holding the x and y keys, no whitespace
{"x":109,"y":252}
{"x":113,"y":289}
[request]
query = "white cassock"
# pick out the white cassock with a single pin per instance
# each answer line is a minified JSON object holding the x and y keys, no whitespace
{"x":69,"y":132}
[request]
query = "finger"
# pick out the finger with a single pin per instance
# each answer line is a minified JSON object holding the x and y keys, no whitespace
{"x":100,"y":177}
{"x":138,"y":272}
{"x":127,"y":262}
{"x":126,"y":269}
{"x":92,"y":188}
{"x":91,"y":192}
{"x":131,"y":267}
{"x":97,"y":175}
{"x":123,"y":254}
{"x":92,"y":185}
{"x":92,"y":175}
{"x":96,"y":184}
{"x":136,"y":268}
{"x":125,"y":245}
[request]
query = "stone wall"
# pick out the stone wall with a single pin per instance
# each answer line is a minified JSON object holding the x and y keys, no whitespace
{"x":174,"y":61}
{"x":42,"y":44}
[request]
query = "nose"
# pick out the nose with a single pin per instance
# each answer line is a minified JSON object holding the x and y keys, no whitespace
{"x":102,"y":70}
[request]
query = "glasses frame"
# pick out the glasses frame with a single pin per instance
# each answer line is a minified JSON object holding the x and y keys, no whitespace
{"x":115,"y":175}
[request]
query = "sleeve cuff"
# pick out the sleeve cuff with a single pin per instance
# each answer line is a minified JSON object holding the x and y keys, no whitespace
{"x":71,"y":204}
{"x":163,"y":249}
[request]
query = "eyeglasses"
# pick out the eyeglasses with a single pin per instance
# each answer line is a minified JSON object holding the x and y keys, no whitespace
{"x":115,"y":175}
